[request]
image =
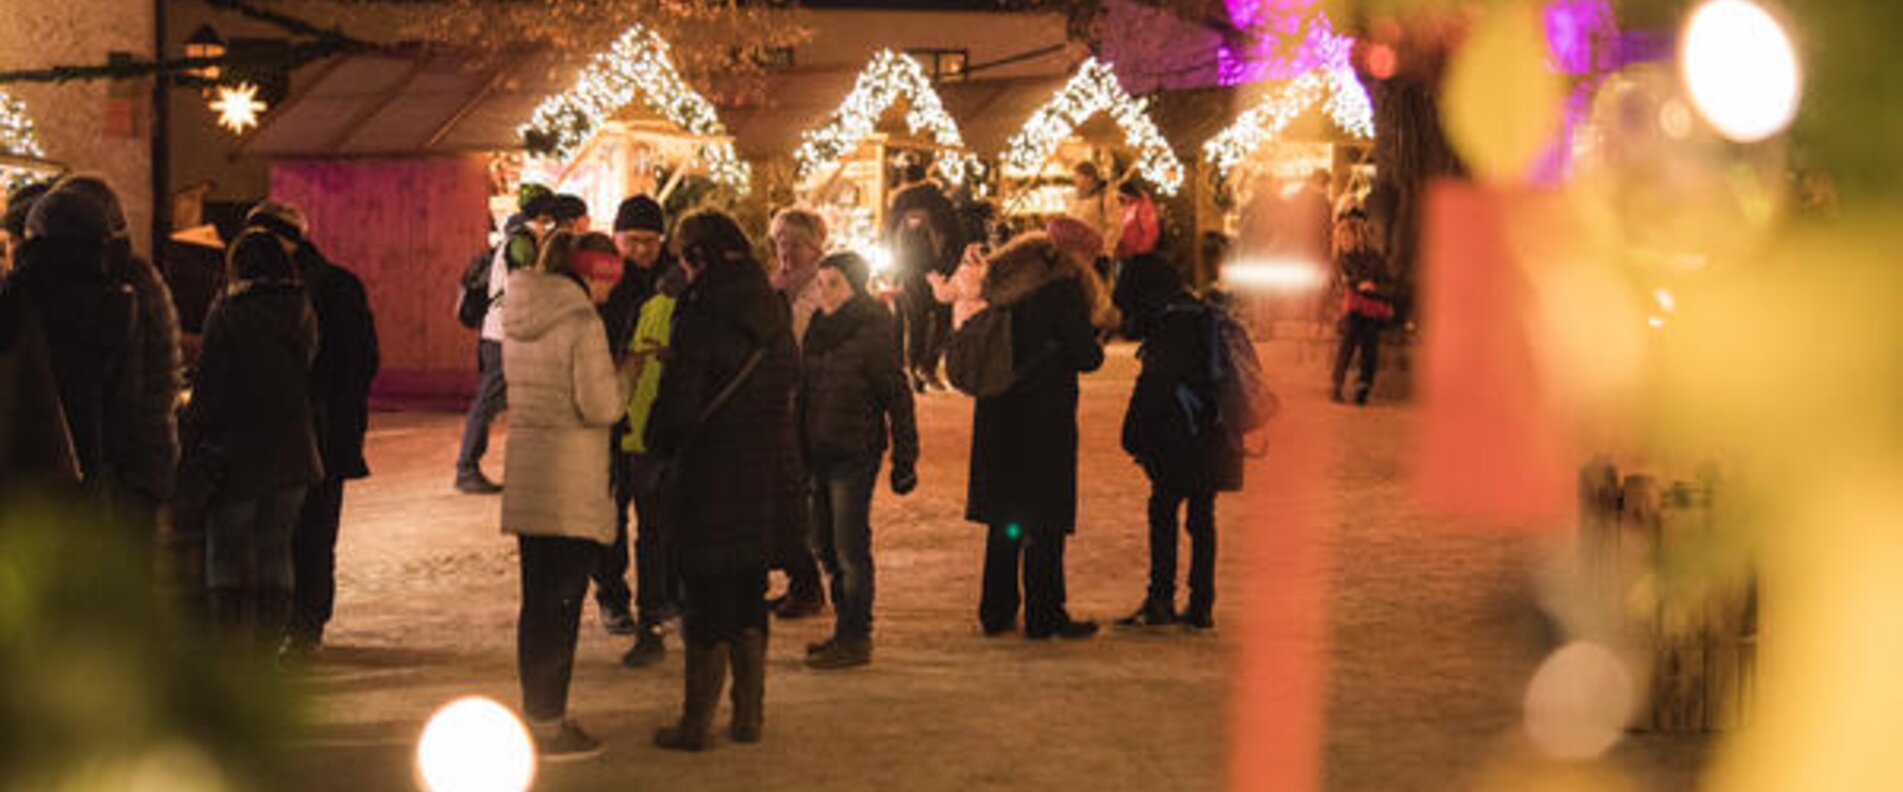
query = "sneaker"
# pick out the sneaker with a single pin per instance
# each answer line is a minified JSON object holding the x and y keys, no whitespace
{"x":475,"y":483}
{"x":648,"y":649}
{"x":617,"y":621}
{"x":1151,"y":614}
{"x":843,"y":654}
{"x":570,"y":744}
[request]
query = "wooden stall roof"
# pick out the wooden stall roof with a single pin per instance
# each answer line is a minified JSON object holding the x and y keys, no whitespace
{"x":415,"y":100}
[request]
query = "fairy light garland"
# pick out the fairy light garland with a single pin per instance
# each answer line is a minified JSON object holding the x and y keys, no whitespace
{"x":1094,"y":89}
{"x":1347,"y":104}
{"x":18,"y":139}
{"x":890,"y":77}
{"x":640,"y":65}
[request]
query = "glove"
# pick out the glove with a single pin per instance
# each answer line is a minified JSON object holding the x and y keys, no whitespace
{"x":904,"y":479}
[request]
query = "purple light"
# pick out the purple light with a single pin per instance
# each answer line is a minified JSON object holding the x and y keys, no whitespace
{"x":1288,"y":38}
{"x":1581,"y":35}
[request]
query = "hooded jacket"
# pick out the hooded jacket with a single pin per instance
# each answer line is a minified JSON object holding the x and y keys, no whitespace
{"x":851,"y":389}
{"x":731,"y":492}
{"x":251,"y":402}
{"x":563,"y":397}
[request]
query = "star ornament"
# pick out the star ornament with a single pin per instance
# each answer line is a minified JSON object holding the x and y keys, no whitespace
{"x":238,"y":107}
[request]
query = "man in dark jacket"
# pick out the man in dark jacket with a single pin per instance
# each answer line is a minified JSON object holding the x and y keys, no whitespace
{"x":924,"y":235}
{"x":1172,"y":428}
{"x":724,"y":414}
{"x":640,"y":229}
{"x":1023,"y":484}
{"x":346,"y":364}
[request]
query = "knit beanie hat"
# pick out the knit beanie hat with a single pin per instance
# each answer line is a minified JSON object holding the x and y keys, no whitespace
{"x":1075,"y":237}
{"x":568,"y":207}
{"x":852,"y":266}
{"x":64,"y":214}
{"x":640,"y":213}
{"x":95,"y":189}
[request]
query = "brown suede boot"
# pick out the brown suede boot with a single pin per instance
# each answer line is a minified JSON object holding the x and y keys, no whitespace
{"x":749,"y":686}
{"x":706,"y":675}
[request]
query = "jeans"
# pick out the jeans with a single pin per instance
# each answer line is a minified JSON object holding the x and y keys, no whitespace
{"x":554,"y":580}
{"x":921,"y":327}
{"x":1044,"y":589}
{"x":657,"y":582}
{"x":1201,"y":526}
{"x":1363,"y":335}
{"x":248,"y":543}
{"x":314,"y":560}
{"x":842,"y":511}
{"x":722,"y":604}
{"x":492,"y":397}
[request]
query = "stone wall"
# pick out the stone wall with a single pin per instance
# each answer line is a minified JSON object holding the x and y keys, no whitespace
{"x":101,"y":126}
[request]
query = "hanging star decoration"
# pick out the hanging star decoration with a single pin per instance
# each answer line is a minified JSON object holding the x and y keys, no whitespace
{"x":1094,"y":89}
{"x":17,"y":139}
{"x":238,"y":107}
{"x":639,"y":65}
{"x":890,"y":77}
{"x":1327,"y":72}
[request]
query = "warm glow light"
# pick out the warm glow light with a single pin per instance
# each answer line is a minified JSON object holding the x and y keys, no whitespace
{"x":1665,"y":300}
{"x":889,"y":78}
{"x":16,"y":139}
{"x":238,"y":107}
{"x":1347,"y":104}
{"x":878,"y":258}
{"x":1741,"y":69}
{"x":1094,"y":89}
{"x":1578,"y":702}
{"x":1274,"y":275}
{"x":475,"y":745}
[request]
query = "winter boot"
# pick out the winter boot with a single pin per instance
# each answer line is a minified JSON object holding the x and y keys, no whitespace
{"x":749,"y":686}
{"x":706,"y":675}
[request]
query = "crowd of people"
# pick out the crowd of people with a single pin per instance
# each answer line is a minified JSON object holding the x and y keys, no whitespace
{"x":670,"y":394}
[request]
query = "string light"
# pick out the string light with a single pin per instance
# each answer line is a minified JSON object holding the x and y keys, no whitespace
{"x":17,"y":139}
{"x":639,"y":64}
{"x":1348,"y":105}
{"x":890,"y":77}
{"x":238,"y":107}
{"x":1094,"y":89}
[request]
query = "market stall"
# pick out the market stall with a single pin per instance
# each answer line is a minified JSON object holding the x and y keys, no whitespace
{"x":21,"y":158}
{"x":847,"y":167}
{"x":628,"y":125}
{"x":1091,"y":119}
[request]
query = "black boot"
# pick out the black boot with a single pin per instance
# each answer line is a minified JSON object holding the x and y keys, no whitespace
{"x":749,"y":686}
{"x":706,"y":675}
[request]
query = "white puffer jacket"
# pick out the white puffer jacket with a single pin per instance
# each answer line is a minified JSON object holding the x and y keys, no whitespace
{"x":563,"y":397}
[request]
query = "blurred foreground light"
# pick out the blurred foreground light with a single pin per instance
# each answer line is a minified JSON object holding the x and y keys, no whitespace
{"x":1579,"y":701}
{"x":474,"y":744}
{"x":1741,"y":69}
{"x":1273,"y":275}
{"x":1665,"y":300}
{"x":878,"y":258}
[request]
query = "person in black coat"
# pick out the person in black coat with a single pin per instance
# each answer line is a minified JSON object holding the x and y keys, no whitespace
{"x":852,"y":395}
{"x":1023,"y":483}
{"x":250,"y":423}
{"x":1173,"y":430}
{"x":1366,"y":305}
{"x":925,"y":236}
{"x":346,"y":364}
{"x":729,"y":459}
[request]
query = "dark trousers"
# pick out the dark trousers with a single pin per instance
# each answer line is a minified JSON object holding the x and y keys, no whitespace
{"x":1043,"y":569}
{"x":1363,"y":335}
{"x":657,"y":589}
{"x":922,"y":325}
{"x":314,"y":560}
{"x":842,"y":511}
{"x":1201,"y":525}
{"x":492,"y":397}
{"x":554,"y":580}
{"x":723,"y":603}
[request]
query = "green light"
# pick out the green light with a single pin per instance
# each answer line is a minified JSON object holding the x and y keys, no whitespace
{"x":1012,"y":532}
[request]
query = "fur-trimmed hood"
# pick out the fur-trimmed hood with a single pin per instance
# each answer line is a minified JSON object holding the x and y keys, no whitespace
{"x":1031,"y":262}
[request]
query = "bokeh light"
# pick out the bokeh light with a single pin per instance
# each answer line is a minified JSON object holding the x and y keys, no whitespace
{"x":474,"y":744}
{"x":1741,"y":69}
{"x":1578,"y":702}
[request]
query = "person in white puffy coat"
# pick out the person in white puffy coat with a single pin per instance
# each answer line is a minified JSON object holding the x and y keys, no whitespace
{"x":565,"y":394}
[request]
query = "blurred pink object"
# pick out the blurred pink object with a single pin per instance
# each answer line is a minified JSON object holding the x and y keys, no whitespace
{"x":1075,"y":237}
{"x":1491,"y":444}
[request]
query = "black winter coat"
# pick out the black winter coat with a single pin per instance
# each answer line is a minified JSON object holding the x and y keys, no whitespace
{"x":89,"y":318}
{"x":36,"y":452}
{"x":852,"y":393}
{"x":729,"y":487}
{"x":251,"y":403}
{"x":142,"y":432}
{"x":1171,"y":426}
{"x":1024,"y":441}
{"x":346,"y":364}
{"x":946,"y":232}
{"x":622,"y":312}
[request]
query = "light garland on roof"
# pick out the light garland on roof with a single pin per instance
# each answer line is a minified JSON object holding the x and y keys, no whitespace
{"x":1347,"y":105}
{"x":17,"y":138}
{"x":1094,"y":89}
{"x":639,"y":64}
{"x":888,"y":78}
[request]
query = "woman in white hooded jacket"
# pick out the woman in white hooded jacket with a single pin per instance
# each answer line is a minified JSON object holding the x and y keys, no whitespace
{"x":565,"y":396}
